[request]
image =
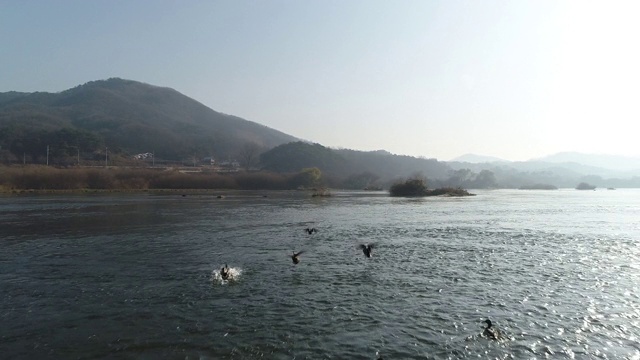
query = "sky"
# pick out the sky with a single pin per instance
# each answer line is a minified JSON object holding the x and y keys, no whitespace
{"x":437,"y":79}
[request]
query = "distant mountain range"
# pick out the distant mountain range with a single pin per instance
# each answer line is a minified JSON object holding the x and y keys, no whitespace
{"x":476,"y":159}
{"x":567,"y":163}
{"x":586,"y":162}
{"x":126,"y":118}
{"x":612,"y":162}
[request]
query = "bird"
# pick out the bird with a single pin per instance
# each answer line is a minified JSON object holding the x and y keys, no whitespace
{"x":311,"y":231}
{"x":224,"y":272}
{"x":295,"y":258}
{"x":491,"y":332}
{"x":367,"y":249}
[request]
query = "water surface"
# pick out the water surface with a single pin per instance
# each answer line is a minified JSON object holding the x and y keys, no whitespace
{"x":134,"y":276}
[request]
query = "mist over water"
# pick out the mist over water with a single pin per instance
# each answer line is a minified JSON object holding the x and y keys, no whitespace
{"x":137,"y":276}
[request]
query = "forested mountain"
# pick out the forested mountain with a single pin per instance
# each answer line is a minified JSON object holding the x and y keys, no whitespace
{"x":393,"y":167}
{"x":126,"y":116}
{"x":298,"y":155}
{"x":355,"y":169}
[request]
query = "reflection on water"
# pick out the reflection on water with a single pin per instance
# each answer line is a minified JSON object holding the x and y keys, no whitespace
{"x":137,"y":276}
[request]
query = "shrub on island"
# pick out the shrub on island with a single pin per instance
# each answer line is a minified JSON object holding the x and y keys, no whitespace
{"x":411,"y":187}
{"x":418,"y":187}
{"x":585,"y":186}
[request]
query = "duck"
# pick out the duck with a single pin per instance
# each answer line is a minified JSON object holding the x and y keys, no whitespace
{"x":295,"y":258}
{"x":224,"y":272}
{"x":367,"y":249}
{"x":491,"y":332}
{"x":311,"y":230}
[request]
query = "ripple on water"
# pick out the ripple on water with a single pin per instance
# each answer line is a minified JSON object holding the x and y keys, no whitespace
{"x":558,"y":288}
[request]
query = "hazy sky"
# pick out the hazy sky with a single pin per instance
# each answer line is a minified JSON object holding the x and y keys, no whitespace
{"x":512,"y":79}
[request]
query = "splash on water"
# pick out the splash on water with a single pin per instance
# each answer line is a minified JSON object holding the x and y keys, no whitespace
{"x":234,"y":275}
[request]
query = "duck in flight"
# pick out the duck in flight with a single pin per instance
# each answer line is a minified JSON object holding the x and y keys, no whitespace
{"x":491,"y":332}
{"x":295,"y":258}
{"x":224,"y":272}
{"x":366,"y":249}
{"x":311,"y":231}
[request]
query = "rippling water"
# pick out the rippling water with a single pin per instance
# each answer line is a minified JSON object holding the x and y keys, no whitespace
{"x":135,"y":276}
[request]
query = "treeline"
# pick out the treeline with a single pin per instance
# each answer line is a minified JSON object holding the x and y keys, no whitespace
{"x":50,"y":178}
{"x":465,"y":178}
{"x":64,"y":145}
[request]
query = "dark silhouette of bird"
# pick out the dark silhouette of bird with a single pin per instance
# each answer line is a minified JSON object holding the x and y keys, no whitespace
{"x":491,"y":332}
{"x":295,"y":258}
{"x":367,"y":249}
{"x":224,"y":272}
{"x":311,"y":231}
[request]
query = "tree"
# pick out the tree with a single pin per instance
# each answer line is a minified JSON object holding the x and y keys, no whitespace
{"x":360,"y":181}
{"x":249,"y":154}
{"x":411,"y":187}
{"x":307,"y":178}
{"x":485,"y":179}
{"x":460,"y":178}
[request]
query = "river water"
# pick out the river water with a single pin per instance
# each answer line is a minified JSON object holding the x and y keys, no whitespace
{"x":136,"y":276}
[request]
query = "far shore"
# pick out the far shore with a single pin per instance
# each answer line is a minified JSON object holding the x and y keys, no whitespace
{"x":146,"y":191}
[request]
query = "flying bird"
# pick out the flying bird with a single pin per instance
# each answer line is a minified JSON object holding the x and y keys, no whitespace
{"x":295,"y":258}
{"x":367,"y":249}
{"x":311,"y":231}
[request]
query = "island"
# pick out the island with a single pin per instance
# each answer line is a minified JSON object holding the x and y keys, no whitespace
{"x":585,"y":186}
{"x":418,"y":188}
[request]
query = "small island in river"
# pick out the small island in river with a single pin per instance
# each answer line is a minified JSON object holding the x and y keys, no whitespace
{"x":585,"y":186}
{"x":418,"y":187}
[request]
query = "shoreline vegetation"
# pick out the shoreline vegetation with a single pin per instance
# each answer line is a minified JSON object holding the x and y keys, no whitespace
{"x":418,"y":188}
{"x":45,"y":179}
{"x":38,"y":179}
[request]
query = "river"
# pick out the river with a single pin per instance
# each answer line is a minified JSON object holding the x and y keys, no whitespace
{"x":136,"y":276}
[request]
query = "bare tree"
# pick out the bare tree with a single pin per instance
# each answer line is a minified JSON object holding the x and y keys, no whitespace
{"x":248,"y":155}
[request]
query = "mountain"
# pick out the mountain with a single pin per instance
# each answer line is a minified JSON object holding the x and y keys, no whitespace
{"x":612,"y":162}
{"x":475,"y":159}
{"x":128,"y":117}
{"x":351,"y":168}
{"x":564,"y":170}
{"x":573,"y":162}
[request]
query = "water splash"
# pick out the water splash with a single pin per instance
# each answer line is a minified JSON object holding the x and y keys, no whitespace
{"x":234,"y":275}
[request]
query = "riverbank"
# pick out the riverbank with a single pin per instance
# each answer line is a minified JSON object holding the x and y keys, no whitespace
{"x":46,"y":179}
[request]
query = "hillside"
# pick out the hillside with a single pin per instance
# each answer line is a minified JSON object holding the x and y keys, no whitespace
{"x":351,"y":168}
{"x":126,"y":116}
{"x":611,"y":162}
{"x":556,"y":170}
